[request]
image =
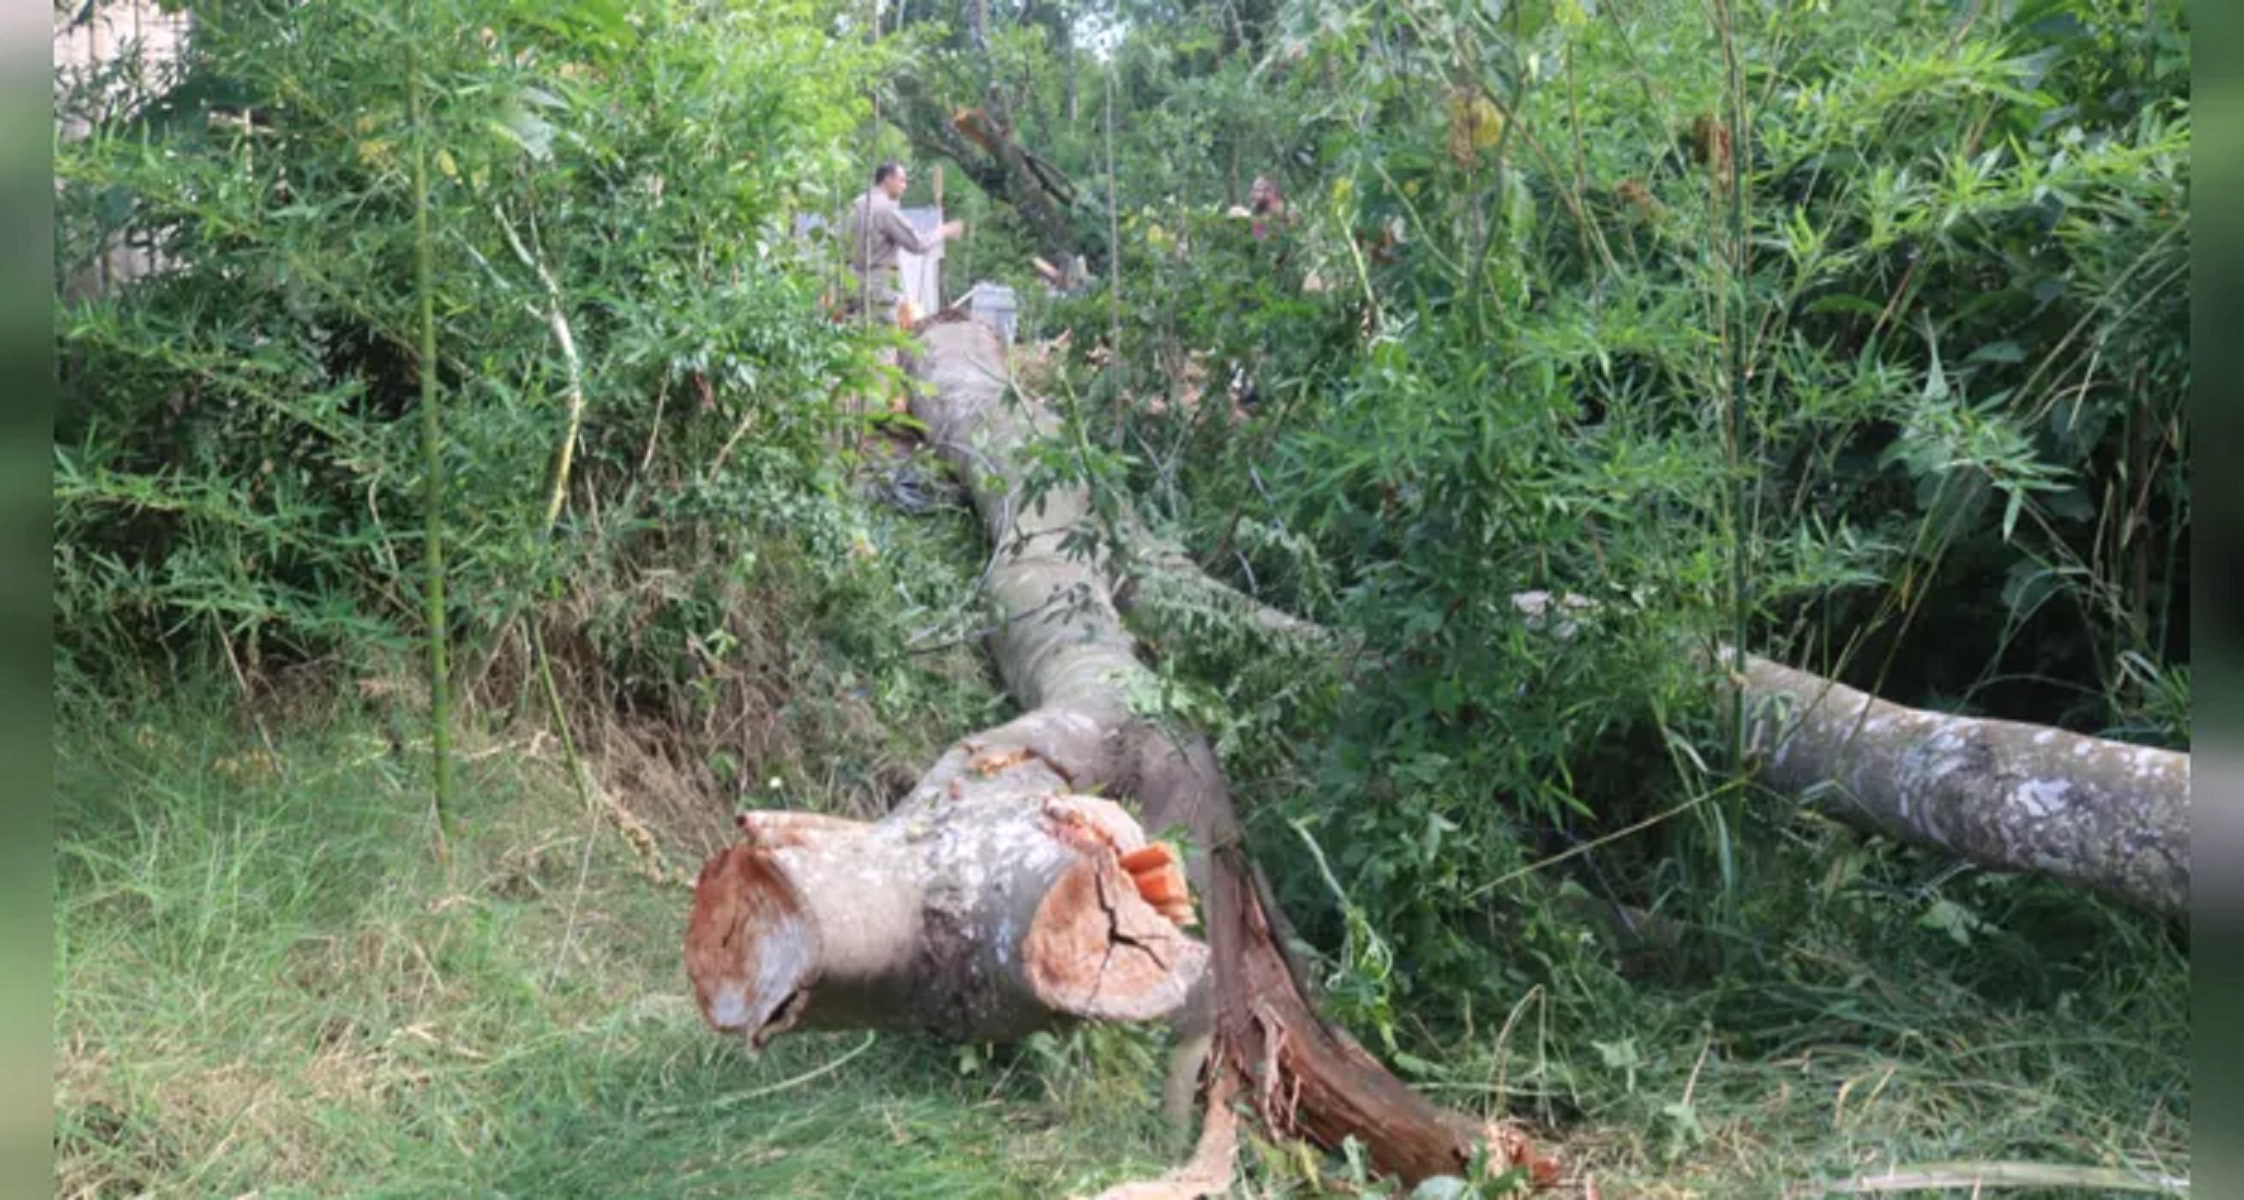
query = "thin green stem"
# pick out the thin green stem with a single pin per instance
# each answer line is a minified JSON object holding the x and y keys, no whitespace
{"x":556,"y":317}
{"x":1113,"y":229}
{"x":432,"y":454}
{"x":1734,"y":316}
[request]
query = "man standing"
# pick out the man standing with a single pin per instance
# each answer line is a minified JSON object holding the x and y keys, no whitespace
{"x":872,"y":234}
{"x":1267,"y":206}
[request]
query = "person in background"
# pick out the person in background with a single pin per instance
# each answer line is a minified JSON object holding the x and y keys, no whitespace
{"x":1266,"y":210}
{"x":873,"y":232}
{"x":1266,"y":205}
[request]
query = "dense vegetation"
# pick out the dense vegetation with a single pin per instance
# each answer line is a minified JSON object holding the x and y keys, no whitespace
{"x":1854,"y":333}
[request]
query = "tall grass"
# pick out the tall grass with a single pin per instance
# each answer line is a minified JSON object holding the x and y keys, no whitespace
{"x":264,"y":983}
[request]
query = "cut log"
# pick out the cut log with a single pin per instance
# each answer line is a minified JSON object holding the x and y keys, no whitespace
{"x":1065,"y":656}
{"x":986,"y":907}
{"x":2007,"y":795}
{"x":1063,"y":651}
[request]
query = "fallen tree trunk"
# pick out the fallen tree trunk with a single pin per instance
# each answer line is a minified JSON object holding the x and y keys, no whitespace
{"x":2004,"y":794}
{"x":2007,"y":795}
{"x":1066,"y":658}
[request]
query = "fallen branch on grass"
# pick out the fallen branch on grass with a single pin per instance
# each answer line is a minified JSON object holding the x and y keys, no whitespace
{"x":2007,"y":795}
{"x":2004,"y":794}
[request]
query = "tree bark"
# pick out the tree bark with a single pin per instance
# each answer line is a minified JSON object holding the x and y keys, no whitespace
{"x":2007,"y":795}
{"x":1065,"y":656}
{"x":2004,"y":794}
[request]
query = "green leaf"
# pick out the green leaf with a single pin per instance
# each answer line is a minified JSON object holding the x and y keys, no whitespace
{"x":1950,"y":918}
{"x":2026,"y":586}
{"x":1415,"y":1065}
{"x":1936,"y":379}
{"x":1685,"y":1120}
{"x":526,"y":130}
{"x":1841,"y":303}
{"x":1619,"y":1055}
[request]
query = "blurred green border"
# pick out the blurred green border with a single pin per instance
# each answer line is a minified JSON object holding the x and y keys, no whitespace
{"x":26,"y":332}
{"x":27,"y":594}
{"x":2217,"y":594}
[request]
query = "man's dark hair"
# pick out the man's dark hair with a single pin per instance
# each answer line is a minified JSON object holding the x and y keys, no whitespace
{"x":886,"y":169}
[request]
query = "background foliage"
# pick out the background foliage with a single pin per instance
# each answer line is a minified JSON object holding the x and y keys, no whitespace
{"x":1909,"y":412}
{"x":234,"y":458}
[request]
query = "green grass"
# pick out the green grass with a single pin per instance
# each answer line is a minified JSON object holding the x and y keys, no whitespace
{"x":1756,"y":1086}
{"x":265,"y":982}
{"x":1863,"y":1029}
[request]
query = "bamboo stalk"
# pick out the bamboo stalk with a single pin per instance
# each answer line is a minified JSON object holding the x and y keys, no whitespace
{"x":432,"y":454}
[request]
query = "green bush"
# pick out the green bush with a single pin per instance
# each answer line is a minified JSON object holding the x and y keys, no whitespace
{"x":1910,"y":414}
{"x":240,"y":451}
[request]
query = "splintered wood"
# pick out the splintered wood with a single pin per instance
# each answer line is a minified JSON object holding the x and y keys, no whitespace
{"x":1095,"y":949}
{"x":1093,"y":825}
{"x":990,"y":762}
{"x":1213,"y":1161}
